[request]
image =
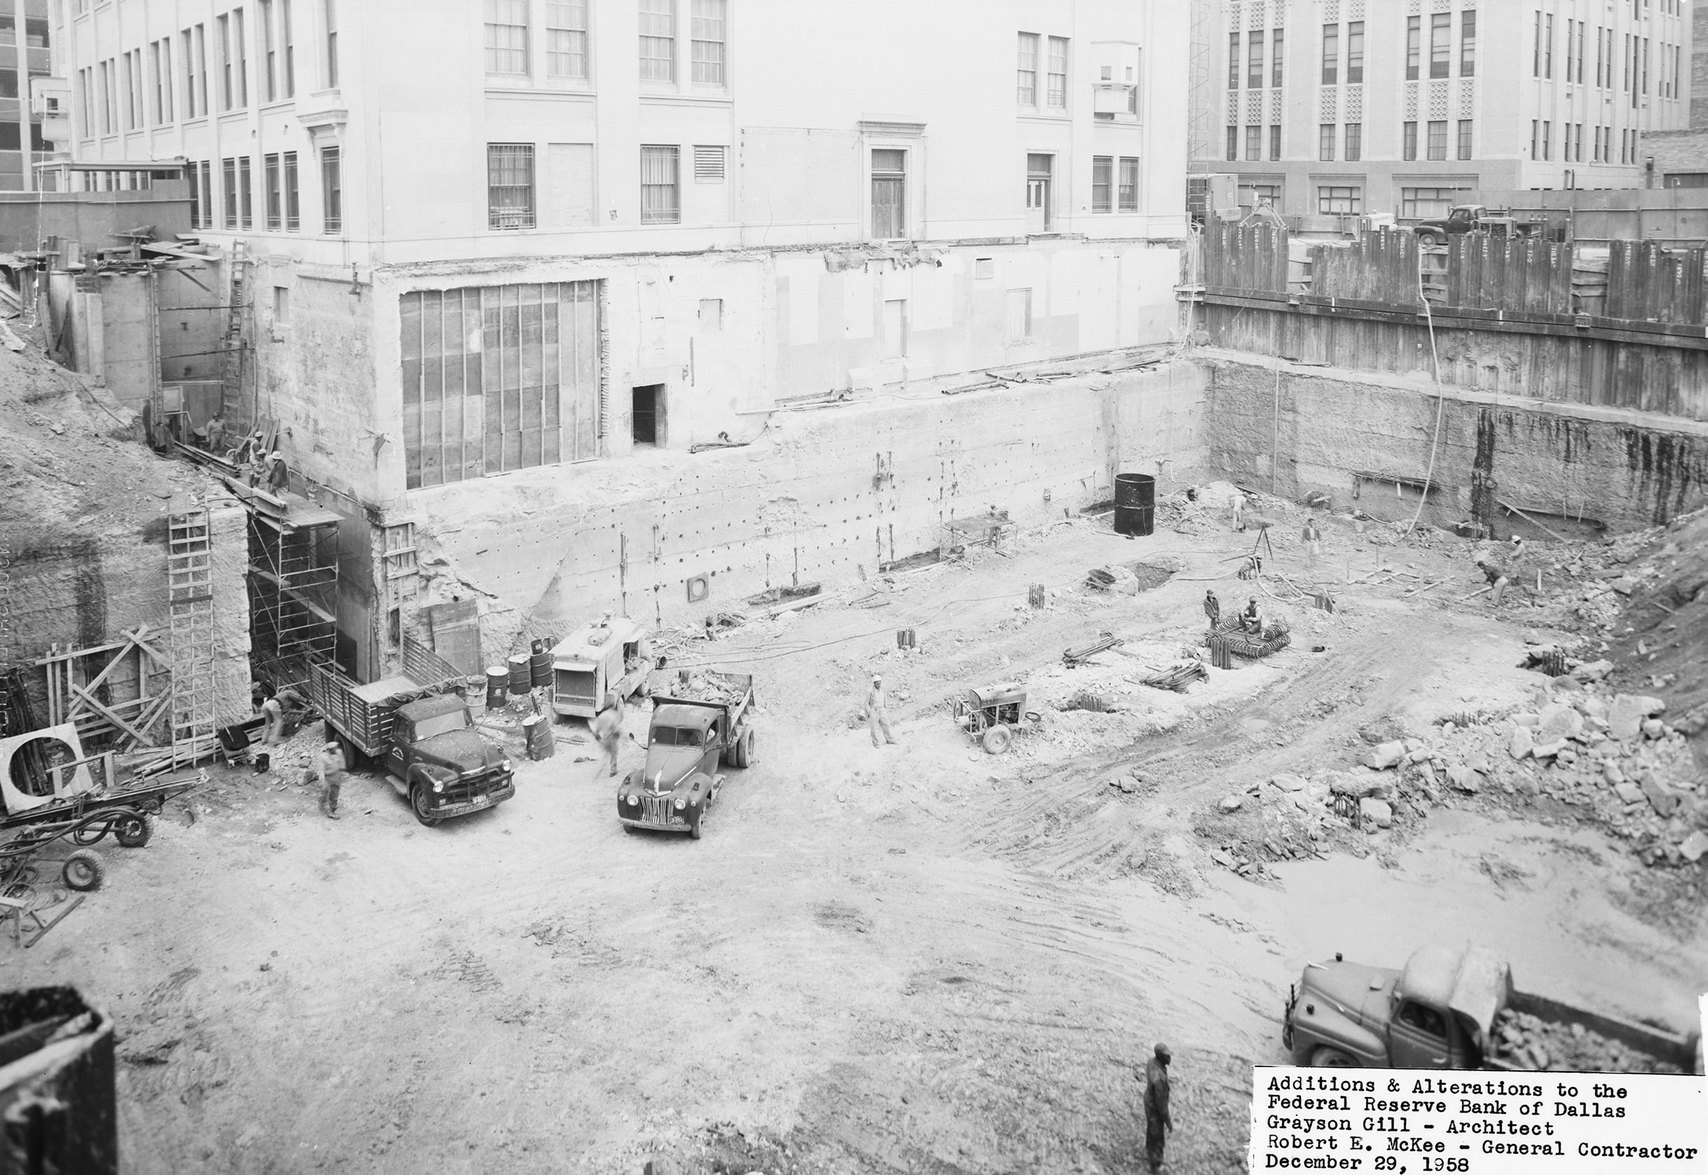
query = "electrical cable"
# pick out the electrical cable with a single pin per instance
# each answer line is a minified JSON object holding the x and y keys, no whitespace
{"x":1440,"y":398}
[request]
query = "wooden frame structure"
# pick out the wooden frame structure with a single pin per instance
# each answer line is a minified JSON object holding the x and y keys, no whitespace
{"x":82,"y":683}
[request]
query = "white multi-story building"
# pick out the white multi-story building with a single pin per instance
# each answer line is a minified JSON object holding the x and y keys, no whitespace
{"x":1358,"y":106}
{"x":491,"y":236}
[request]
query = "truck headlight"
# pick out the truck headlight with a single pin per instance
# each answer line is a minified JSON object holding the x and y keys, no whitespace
{"x":633,"y":800}
{"x":438,"y":786}
{"x":680,"y":803}
{"x":508,"y":765}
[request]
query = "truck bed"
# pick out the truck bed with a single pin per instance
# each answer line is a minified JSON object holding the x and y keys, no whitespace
{"x":358,"y":712}
{"x":706,"y":687}
{"x":1533,"y":1028}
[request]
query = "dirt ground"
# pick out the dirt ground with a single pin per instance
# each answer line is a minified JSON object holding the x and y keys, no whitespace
{"x":918,"y":958}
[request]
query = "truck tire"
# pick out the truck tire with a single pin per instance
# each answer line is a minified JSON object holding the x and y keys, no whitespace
{"x":82,"y":870}
{"x":1428,"y":240}
{"x":996,"y":739}
{"x":418,"y":804}
{"x":1324,"y":1057}
{"x":741,"y":754}
{"x":133,"y":829}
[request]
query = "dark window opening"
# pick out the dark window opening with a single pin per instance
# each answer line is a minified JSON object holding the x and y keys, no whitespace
{"x":648,"y":414}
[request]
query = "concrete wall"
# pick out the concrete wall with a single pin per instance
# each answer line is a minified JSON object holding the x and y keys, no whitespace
{"x":1626,"y":469}
{"x":827,"y":495}
{"x":127,"y":359}
{"x":28,"y":219}
{"x":192,"y":301}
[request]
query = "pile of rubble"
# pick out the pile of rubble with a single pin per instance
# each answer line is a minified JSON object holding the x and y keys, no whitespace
{"x":1526,"y":1041}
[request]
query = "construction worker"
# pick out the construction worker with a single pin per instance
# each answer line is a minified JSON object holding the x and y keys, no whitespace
{"x":1212,"y":609}
{"x":329,"y":767}
{"x":1252,"y":619}
{"x":608,"y":729}
{"x":1496,"y":577}
{"x":1156,"y":1105}
{"x":1313,"y":539}
{"x":1239,"y":511}
{"x":278,"y":473}
{"x":877,"y":717}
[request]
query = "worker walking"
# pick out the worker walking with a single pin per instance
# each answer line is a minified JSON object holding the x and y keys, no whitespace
{"x":608,"y":729}
{"x":1238,"y":505}
{"x":1212,"y":609}
{"x":877,"y":717}
{"x":329,"y":767}
{"x":1156,"y":1106}
{"x":1313,"y":539}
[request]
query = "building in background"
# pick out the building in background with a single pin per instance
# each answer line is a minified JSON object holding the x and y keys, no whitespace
{"x":524,"y":233}
{"x":1681,"y":156}
{"x":1336,"y":107}
{"x":24,"y":55}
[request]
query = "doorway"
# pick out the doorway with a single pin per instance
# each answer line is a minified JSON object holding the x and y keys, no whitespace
{"x":647,"y":414}
{"x":1039,"y":169}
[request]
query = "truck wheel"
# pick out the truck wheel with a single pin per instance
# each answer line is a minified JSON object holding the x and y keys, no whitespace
{"x":1331,"y":1058}
{"x":419,"y":803}
{"x":1428,"y":240}
{"x":134,"y":830}
{"x":742,"y":753}
{"x":82,"y":871}
{"x":996,"y":739}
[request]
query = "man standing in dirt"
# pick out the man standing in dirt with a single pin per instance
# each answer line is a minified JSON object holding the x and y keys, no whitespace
{"x":877,"y":716}
{"x":608,"y":729}
{"x":329,"y":768}
{"x":1212,"y":609}
{"x":1496,"y":577}
{"x":1156,"y":1105}
{"x":1313,"y":539}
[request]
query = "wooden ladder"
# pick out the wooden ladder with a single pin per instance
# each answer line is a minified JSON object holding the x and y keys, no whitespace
{"x":231,"y":369}
{"x":189,"y":569}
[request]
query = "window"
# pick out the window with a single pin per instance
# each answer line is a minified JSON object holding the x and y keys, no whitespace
{"x":273,"y":177}
{"x":1102,"y":179}
{"x":240,"y":50}
{"x":497,"y":378}
{"x":1427,"y":203}
{"x":198,"y":75}
{"x":109,"y":98}
{"x":889,"y":193}
{"x":1468,"y":44}
{"x":1057,"y":78}
{"x":1259,"y":195}
{"x":1127,"y":194}
{"x":331,"y":11}
{"x":1535,"y":139}
{"x":1254,"y":142}
{"x":646,"y":427}
{"x":1233,"y":142}
{"x":1331,"y":54}
{"x":1536,"y":47}
{"x":222,"y":26}
{"x":1019,"y":315}
{"x":1325,"y":141}
{"x":1440,"y":44}
{"x":1276,"y":40}
{"x":1548,"y":140}
{"x":1254,"y":60}
{"x":228,"y":177}
{"x":1438,"y":140}
{"x":1601,"y":55}
{"x":1355,"y":51}
{"x":1464,"y":138}
{"x":1026,"y":70}
{"x":192,"y":173}
{"x":293,"y":206}
{"x":1422,"y":1018}
{"x":509,"y":185}
{"x":507,"y":36}
{"x":1233,"y":61}
{"x":1339,"y":200}
{"x":708,"y":42}
{"x":161,"y":63}
{"x":660,"y":201}
{"x":566,"y":39}
{"x":269,"y":53}
{"x":658,"y":40}
{"x":133,"y":90}
{"x":246,"y":193}
{"x":1414,"y":43}
{"x":1354,"y":141}
{"x":290,"y":71}
{"x":1548,"y":45}
{"x":1274,"y":142}
{"x":1409,"y":150}
{"x":86,"y":107}
{"x":331,"y":191}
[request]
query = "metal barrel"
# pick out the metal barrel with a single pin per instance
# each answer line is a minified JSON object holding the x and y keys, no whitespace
{"x":1135,"y":520}
{"x":540,"y":667}
{"x":538,"y":730}
{"x":497,"y":685}
{"x":1135,"y":489}
{"x":521,"y":674}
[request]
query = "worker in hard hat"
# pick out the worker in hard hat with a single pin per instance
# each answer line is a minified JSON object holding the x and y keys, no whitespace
{"x":877,"y":716}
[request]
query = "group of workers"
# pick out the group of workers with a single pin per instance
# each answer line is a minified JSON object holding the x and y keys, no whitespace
{"x":262,"y":467}
{"x":1250,"y":620}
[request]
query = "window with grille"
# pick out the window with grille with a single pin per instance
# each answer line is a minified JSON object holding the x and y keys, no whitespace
{"x":1339,"y":199}
{"x":1026,"y":71}
{"x":709,"y":165}
{"x":509,"y":185}
{"x":293,"y":208}
{"x":192,"y":171}
{"x":246,"y":192}
{"x":1127,"y":193}
{"x":507,"y":36}
{"x":228,"y":177}
{"x":658,"y":40}
{"x":1102,"y":183}
{"x":332,"y":190}
{"x":661,"y":198}
{"x":566,"y":39}
{"x":889,"y":193}
{"x":1057,"y":78}
{"x":275,"y":181}
{"x":708,"y":42}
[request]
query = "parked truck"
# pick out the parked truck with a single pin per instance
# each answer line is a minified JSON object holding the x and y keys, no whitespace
{"x":700,"y":721}
{"x":1477,"y":218}
{"x":1457,"y":1008}
{"x":422,"y":736}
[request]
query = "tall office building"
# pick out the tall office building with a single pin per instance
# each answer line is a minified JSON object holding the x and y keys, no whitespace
{"x":24,"y":54}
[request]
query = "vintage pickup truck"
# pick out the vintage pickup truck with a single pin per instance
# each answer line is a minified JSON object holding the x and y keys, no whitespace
{"x":702,"y":720}
{"x":1449,"y":1009}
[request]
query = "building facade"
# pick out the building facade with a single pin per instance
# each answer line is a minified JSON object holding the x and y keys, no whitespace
{"x":487,"y":237}
{"x":1337,"y":107}
{"x":24,"y":56}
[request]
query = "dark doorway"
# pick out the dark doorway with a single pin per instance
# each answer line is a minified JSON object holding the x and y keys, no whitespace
{"x":648,"y":414}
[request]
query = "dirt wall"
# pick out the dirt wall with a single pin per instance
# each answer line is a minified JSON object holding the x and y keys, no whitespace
{"x":1623,"y":468}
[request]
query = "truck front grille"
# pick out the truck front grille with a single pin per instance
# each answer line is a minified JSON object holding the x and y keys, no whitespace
{"x":657,"y":809}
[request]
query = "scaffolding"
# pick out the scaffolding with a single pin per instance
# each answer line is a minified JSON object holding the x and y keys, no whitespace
{"x":293,"y":589}
{"x":189,"y":570}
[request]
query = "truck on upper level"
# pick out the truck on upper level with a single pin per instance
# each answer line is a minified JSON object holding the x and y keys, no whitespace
{"x":702,"y":720}
{"x":1477,"y":218}
{"x":422,"y":736}
{"x":1456,"y":1008}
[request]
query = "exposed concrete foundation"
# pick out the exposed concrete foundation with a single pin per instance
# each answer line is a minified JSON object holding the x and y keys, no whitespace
{"x":1297,"y":430}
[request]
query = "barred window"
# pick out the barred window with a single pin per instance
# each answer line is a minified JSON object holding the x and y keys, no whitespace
{"x":566,"y":39}
{"x":661,"y":201}
{"x":509,"y":185}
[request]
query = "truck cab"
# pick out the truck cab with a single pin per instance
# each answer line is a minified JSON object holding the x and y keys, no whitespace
{"x":440,"y":763}
{"x":1419,"y":1018}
